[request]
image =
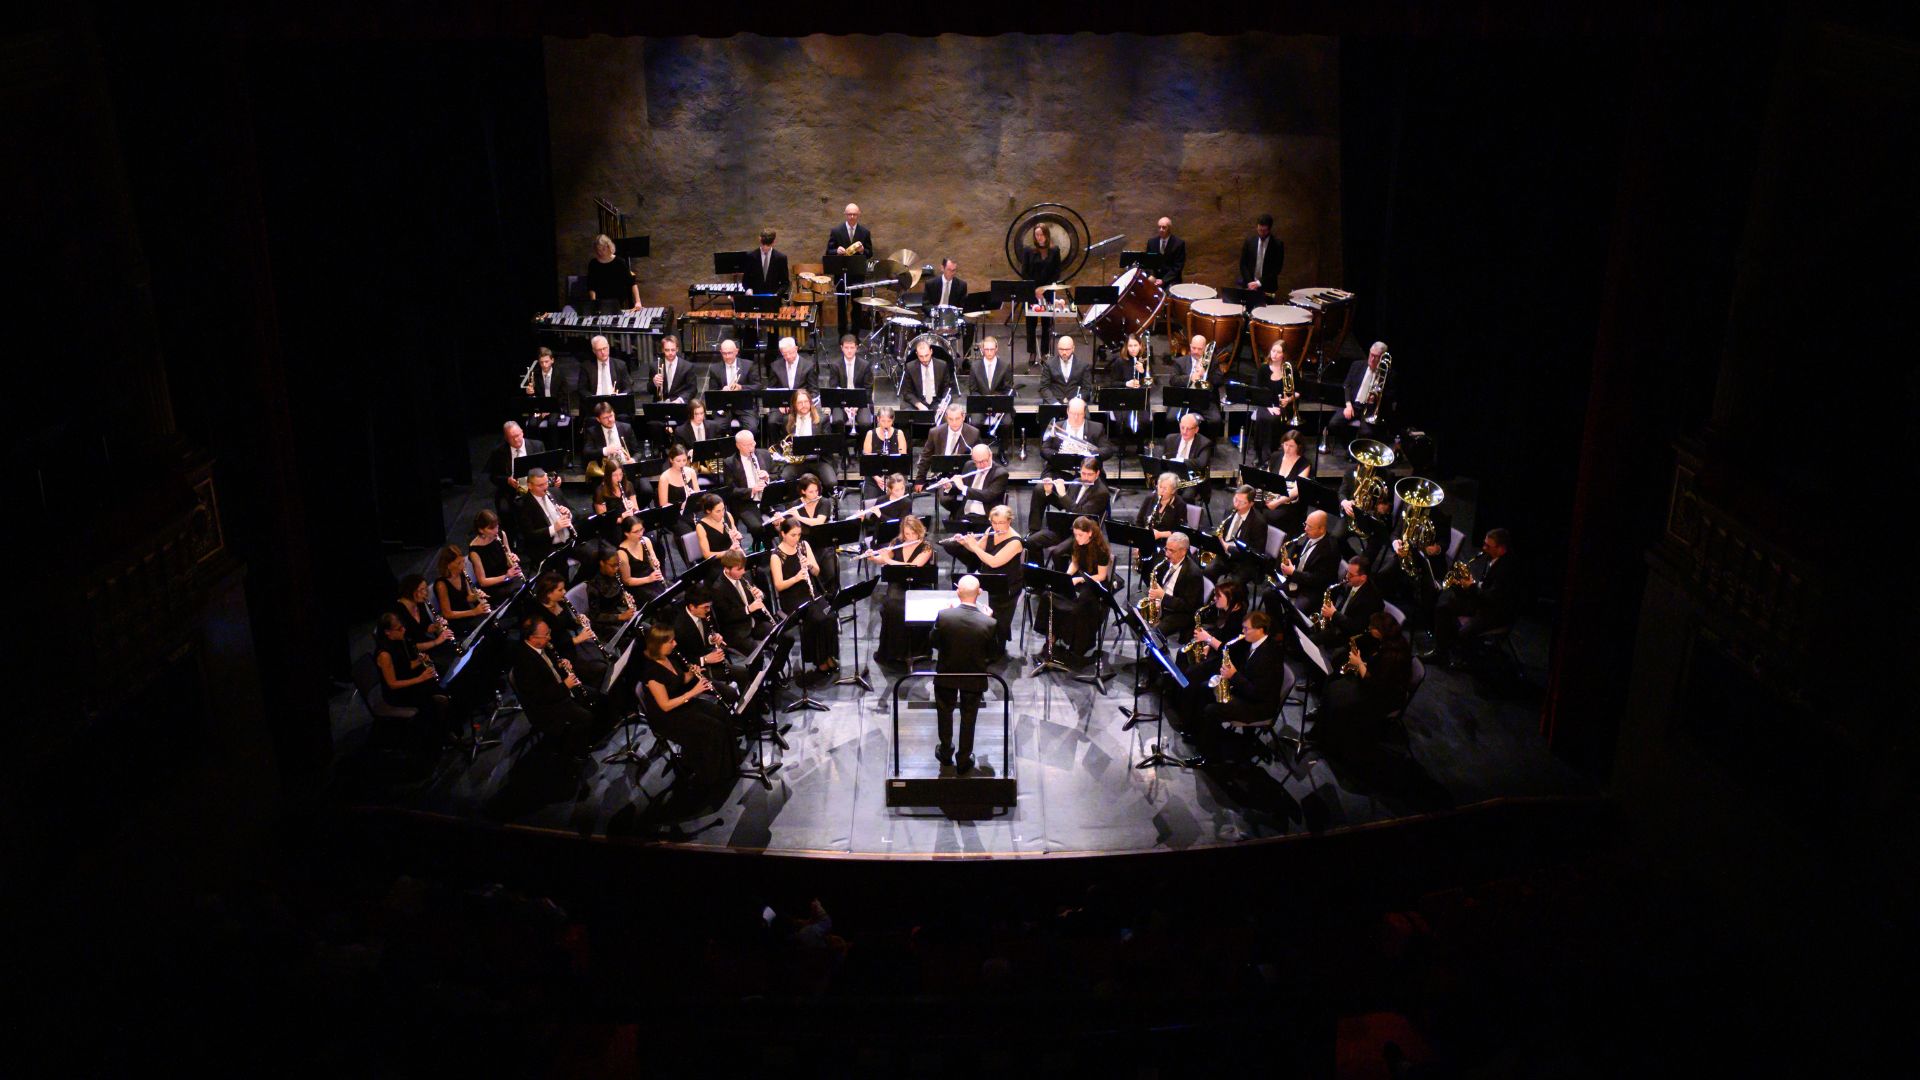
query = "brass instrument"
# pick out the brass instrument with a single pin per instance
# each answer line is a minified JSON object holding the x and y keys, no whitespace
{"x":1319,"y":621}
{"x":1369,"y":454}
{"x":1290,"y":414}
{"x":1375,"y":395}
{"x":1222,"y":692}
{"x":784,"y":452}
{"x":1069,"y":444}
{"x":710,"y":467}
{"x":1459,"y":576}
{"x":1416,"y":528}
{"x":1206,"y":365}
{"x":526,"y":381}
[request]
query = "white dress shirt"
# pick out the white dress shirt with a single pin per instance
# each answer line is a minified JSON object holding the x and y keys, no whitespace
{"x":1186,"y":448}
{"x":603,"y":381}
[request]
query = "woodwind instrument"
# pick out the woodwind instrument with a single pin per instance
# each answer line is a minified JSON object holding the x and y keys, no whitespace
{"x":808,"y":567}
{"x":513,"y":561}
{"x":1219,"y":684}
{"x":1346,"y":666}
{"x":565,"y":666}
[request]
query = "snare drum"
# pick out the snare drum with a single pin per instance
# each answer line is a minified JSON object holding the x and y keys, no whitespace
{"x":1141,"y":298}
{"x":1180,"y":300}
{"x":1220,"y":322}
{"x":1282,"y":322}
{"x":945,"y":319}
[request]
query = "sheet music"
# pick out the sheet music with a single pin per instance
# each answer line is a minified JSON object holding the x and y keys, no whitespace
{"x":1313,"y":651}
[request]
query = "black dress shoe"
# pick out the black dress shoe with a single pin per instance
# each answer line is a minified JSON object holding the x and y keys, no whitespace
{"x":944,"y":757}
{"x":964,"y":765}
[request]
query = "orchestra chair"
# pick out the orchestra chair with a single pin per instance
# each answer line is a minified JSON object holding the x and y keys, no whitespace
{"x":1496,"y":643}
{"x":577,"y":596}
{"x":1266,"y":741}
{"x":366,"y":683}
{"x":1194,"y":512}
{"x":1398,"y":615}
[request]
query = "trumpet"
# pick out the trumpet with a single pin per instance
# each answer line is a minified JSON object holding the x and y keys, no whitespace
{"x":1222,"y":692}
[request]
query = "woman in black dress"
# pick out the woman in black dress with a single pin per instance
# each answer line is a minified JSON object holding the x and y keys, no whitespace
{"x":1372,"y":684}
{"x":1286,"y":511}
{"x":640,"y":570}
{"x":425,"y":630}
{"x":898,"y":641}
{"x":796,"y":580}
{"x":495,"y":567}
{"x":461,"y":603}
{"x":714,"y":526}
{"x":1000,"y":551}
{"x":615,"y":495}
{"x":1270,"y":420}
{"x":573,"y":636}
{"x":677,"y":482}
{"x":608,"y":277}
{"x":681,"y":708}
{"x":609,"y":605}
{"x":814,"y":510}
{"x":1040,"y":264}
{"x":886,"y":440}
{"x":1217,"y":622}
{"x":1164,"y":512}
{"x":407,"y":679}
{"x":1076,"y":622}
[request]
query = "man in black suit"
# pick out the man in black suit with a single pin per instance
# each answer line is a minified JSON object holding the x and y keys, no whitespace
{"x":927,"y":378}
{"x":603,"y":376}
{"x":993,"y":374}
{"x":946,"y":290}
{"x":609,"y":437}
{"x":1189,"y":446}
{"x":1194,"y":368}
{"x":852,"y":239}
{"x":735,"y":373}
{"x":1261,"y":257}
{"x":1254,"y":670}
{"x":850,"y":372}
{"x":1351,"y":421}
{"x":671,"y":379}
{"x":1090,"y":497}
{"x":1310,"y":570}
{"x":767,"y":272}
{"x":545,"y":523}
{"x":977,"y":494}
{"x":513,"y":444}
{"x":698,"y":640}
{"x":1246,"y":523}
{"x":1081,"y":433}
{"x":790,"y":370}
{"x":1491,"y":602}
{"x":1353,"y":603}
{"x":963,"y":640}
{"x":748,"y":472}
{"x":1176,"y":584}
{"x":741,"y":618}
{"x":1416,"y":591}
{"x":1175,"y":249}
{"x":550,"y":382}
{"x":1065,"y":375}
{"x":546,"y":692}
{"x":951,"y":435}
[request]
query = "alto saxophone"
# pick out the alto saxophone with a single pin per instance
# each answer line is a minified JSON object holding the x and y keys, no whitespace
{"x":1346,"y":667}
{"x":1222,"y":691}
{"x":1319,"y":621}
{"x":1459,"y":576}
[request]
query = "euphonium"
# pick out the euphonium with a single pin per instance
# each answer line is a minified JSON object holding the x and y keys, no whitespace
{"x":1416,"y":529}
{"x":1368,"y":454}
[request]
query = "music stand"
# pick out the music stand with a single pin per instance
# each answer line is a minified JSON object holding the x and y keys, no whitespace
{"x":837,"y":397}
{"x":1153,"y":262}
{"x":633,"y":247}
{"x":730,"y":402}
{"x":796,"y":617}
{"x":1085,"y":296}
{"x":1188,"y":398}
{"x":732,"y":262}
{"x":1258,"y":397}
{"x":1154,"y":466}
{"x":1122,"y":534}
{"x":1052,"y":583}
{"x":1099,"y":676}
{"x":713,"y":449}
{"x":550,"y":460}
{"x":843,"y":601}
{"x":909,"y":577}
{"x":1149,"y":641}
{"x":1251,"y":298}
{"x":666,"y":412}
{"x":622,"y":404}
{"x":831,"y":443}
{"x":875,"y":467}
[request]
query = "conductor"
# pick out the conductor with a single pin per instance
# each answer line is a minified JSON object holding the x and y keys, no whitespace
{"x":963,"y":638}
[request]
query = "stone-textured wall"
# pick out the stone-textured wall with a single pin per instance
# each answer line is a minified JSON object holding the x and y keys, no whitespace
{"x":942,"y":141}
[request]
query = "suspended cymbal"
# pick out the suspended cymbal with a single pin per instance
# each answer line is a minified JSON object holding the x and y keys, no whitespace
{"x":874,"y":302}
{"x":1056,"y":288}
{"x":898,"y":310}
{"x":905,"y":257}
{"x":979,"y":316}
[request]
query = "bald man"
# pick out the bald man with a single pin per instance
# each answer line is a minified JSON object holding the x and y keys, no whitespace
{"x":1065,"y":375}
{"x":964,"y":641}
{"x":850,"y":238}
{"x":1171,"y":246}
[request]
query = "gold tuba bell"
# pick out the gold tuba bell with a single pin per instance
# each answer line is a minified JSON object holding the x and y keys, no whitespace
{"x":1416,"y":528}
{"x":1368,"y":454}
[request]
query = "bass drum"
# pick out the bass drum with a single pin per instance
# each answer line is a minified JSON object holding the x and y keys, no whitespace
{"x":1221,"y":323}
{"x":1180,"y":300}
{"x":1141,"y":298}
{"x":1285,"y":323}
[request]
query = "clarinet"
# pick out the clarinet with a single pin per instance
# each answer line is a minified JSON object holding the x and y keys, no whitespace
{"x":581,"y":694}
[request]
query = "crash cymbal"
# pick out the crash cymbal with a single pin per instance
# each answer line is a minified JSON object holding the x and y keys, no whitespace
{"x":905,"y":257}
{"x":874,"y":302}
{"x":898,"y":310}
{"x":1056,"y":288}
{"x":979,"y":316}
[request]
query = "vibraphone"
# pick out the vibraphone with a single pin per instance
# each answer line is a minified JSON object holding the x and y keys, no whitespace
{"x":633,"y":333}
{"x":706,"y":327}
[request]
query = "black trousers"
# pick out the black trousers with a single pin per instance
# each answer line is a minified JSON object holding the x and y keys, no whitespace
{"x":1450,"y":609}
{"x":1341,"y":431}
{"x":944,"y":699}
{"x":703,"y":729}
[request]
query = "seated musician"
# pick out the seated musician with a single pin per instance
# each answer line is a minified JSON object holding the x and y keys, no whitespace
{"x":408,"y":680}
{"x":736,"y":374}
{"x":603,"y":376}
{"x":682,"y":708}
{"x":951,"y":438}
{"x":1244,"y":533}
{"x":714,"y":527}
{"x":545,"y":523}
{"x":1133,"y":365}
{"x":614,"y":495}
{"x":1365,"y":529}
{"x":698,"y":428}
{"x":883,"y":439}
{"x":1488,"y":601}
{"x":609,"y":605}
{"x":640,"y":571}
{"x":1085,"y":496}
{"x":1372,"y":684}
{"x":545,"y":381}
{"x":804,"y":422}
{"x":677,"y":484}
{"x":795,"y":574}
{"x":1193,"y":450}
{"x":425,"y":630}
{"x":1193,"y":369}
{"x":1078,"y":435}
{"x":945,"y":290}
{"x":971,"y":498}
{"x":850,"y":372}
{"x":790,"y":370}
{"x":927,"y":378}
{"x":1310,"y":571}
{"x":1269,"y":421}
{"x":909,"y":548}
{"x":1287,"y":510}
{"x":1414,"y":581}
{"x":1351,"y":421}
{"x":1254,"y":670}
{"x":739,"y":606}
{"x":814,"y":510}
{"x":496,"y":568}
{"x":609,"y":437}
{"x":573,"y":634}
{"x":1176,"y":584}
{"x":698,"y":640}
{"x":748,"y":473}
{"x":992,"y":375}
{"x":1163,"y":512}
{"x":886,"y":506}
{"x":460,"y":602}
{"x":1076,"y":622}
{"x":999,"y":550}
{"x":1215,"y":624}
{"x":1065,"y":375}
{"x":1354,"y":601}
{"x":546,"y":689}
{"x":514,"y":445}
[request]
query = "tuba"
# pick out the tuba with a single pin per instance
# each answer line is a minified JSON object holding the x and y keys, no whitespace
{"x":1370,"y":454}
{"x":1420,"y":495}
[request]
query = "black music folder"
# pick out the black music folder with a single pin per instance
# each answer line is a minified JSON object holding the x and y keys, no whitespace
{"x":633,"y":247}
{"x":1087,"y":295}
{"x":550,"y":460}
{"x":1151,"y":261}
{"x":732,"y":262}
